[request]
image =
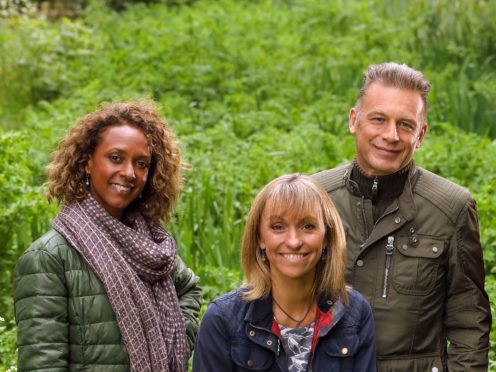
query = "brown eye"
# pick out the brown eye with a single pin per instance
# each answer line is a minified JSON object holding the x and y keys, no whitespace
{"x":407,"y":125}
{"x":308,"y":226}
{"x":142,"y":164}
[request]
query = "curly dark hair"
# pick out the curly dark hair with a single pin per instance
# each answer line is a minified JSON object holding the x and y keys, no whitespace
{"x":66,"y":172}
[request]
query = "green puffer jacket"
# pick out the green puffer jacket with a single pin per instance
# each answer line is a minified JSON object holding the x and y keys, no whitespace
{"x":64,"y":318}
{"x":420,"y":266}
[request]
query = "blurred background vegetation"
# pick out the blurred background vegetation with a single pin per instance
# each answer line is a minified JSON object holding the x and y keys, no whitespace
{"x":253,"y":89}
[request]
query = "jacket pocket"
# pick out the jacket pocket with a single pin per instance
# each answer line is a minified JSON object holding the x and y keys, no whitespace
{"x":250,"y":357}
{"x":430,"y":362}
{"x":337,"y":353}
{"x":416,"y":264}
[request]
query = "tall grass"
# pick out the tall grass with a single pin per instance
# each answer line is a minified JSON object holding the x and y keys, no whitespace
{"x":208,"y":228}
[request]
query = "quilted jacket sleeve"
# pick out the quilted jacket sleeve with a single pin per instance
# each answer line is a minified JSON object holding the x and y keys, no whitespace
{"x":40,"y":300}
{"x":190,"y":298}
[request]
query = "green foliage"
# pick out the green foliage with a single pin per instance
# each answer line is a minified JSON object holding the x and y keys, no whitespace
{"x":218,"y":280}
{"x":207,"y":229}
{"x":37,"y":59}
{"x":24,"y":213}
{"x":253,"y":89}
{"x":491,"y":290}
{"x":8,"y":355}
{"x":16,"y":8}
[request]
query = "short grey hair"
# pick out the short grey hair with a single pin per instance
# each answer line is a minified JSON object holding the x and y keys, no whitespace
{"x":398,"y":76}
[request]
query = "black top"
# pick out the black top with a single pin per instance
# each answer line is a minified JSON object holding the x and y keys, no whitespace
{"x":382,"y":190}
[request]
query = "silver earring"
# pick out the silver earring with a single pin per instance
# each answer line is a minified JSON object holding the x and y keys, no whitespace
{"x":263,"y":254}
{"x":87,"y":179}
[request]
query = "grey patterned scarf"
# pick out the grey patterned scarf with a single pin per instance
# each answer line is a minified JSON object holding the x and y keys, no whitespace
{"x":134,"y":264}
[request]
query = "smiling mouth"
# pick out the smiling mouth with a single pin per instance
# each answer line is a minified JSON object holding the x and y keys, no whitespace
{"x":387,"y":151}
{"x":122,"y":188}
{"x":293,"y":256}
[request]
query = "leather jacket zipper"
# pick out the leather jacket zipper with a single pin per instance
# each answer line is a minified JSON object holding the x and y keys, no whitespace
{"x":387,"y":268}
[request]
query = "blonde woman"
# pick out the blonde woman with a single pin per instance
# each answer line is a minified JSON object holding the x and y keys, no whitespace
{"x":294,"y":312}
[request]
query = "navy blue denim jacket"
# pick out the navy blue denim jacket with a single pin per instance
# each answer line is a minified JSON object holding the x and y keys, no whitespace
{"x":236,"y":335}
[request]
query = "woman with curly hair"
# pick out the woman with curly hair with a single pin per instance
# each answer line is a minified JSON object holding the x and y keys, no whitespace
{"x":105,"y":288}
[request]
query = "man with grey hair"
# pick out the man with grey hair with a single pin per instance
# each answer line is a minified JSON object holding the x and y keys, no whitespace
{"x":413,"y":237}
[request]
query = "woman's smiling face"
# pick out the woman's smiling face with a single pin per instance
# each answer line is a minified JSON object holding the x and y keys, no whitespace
{"x":293,"y":242}
{"x":119,"y":168}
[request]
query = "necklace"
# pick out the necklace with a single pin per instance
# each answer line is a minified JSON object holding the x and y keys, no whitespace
{"x":298,"y":322}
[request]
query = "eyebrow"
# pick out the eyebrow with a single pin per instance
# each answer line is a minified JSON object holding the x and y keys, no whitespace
{"x":149,"y":155}
{"x":305,"y":217}
{"x":382,"y":113}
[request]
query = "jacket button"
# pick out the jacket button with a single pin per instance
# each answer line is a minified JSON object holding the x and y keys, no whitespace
{"x":269,"y":342}
{"x":434,"y":249}
{"x":434,"y":369}
{"x":344,"y":350}
{"x":360,"y":263}
{"x":251,"y":333}
{"x":249,"y":363}
{"x":412,"y":230}
{"x":397,"y":220}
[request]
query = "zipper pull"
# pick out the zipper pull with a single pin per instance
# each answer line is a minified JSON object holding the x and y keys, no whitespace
{"x":390,"y":245}
{"x":375,"y":187}
{"x":389,"y":256}
{"x":278,"y":346}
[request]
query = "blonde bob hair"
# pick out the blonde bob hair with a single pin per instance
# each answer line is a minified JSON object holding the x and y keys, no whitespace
{"x":298,"y":195}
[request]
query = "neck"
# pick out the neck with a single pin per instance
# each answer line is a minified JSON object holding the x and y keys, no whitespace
{"x":295,"y":299}
{"x":382,"y":190}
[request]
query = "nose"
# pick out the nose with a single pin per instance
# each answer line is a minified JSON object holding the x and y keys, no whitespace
{"x":128,"y":171}
{"x":390,"y":133}
{"x":293,"y":240}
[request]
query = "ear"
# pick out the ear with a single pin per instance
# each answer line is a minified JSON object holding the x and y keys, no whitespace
{"x":89,"y":165}
{"x":352,"y":120}
{"x":423,"y":131}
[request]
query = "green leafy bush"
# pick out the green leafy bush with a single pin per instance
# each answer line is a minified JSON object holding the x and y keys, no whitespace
{"x":8,"y":355}
{"x":16,"y":8}
{"x":37,"y":62}
{"x":24,"y":213}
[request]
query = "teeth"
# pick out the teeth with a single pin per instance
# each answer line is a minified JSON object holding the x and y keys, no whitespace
{"x":121,"y":188}
{"x":293,"y":257}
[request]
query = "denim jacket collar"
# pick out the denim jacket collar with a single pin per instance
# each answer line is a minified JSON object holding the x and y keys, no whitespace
{"x":260,"y":314}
